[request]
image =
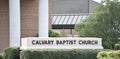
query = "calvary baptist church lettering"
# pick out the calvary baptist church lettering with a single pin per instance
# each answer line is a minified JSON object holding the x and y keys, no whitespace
{"x":64,"y":42}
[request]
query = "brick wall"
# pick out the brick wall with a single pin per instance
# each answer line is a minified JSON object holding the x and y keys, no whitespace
{"x":29,"y":18}
{"x":66,"y":32}
{"x":4,"y":24}
{"x":50,"y":14}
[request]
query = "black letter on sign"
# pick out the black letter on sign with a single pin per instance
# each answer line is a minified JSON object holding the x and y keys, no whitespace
{"x":33,"y":42}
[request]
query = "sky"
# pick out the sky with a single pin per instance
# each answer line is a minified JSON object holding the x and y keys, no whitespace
{"x":98,"y":0}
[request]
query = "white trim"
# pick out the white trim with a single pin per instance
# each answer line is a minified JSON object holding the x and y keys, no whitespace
{"x":43,"y":18}
{"x":14,"y":15}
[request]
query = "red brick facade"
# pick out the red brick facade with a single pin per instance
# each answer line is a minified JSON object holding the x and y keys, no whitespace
{"x":4,"y":24}
{"x":29,"y":20}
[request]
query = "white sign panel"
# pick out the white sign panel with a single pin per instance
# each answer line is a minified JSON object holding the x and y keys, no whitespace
{"x":61,"y":43}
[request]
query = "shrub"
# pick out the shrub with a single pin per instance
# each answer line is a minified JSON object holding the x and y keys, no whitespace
{"x":53,"y":34}
{"x":59,"y":54}
{"x":102,"y":54}
{"x":11,"y":53}
{"x":1,"y":56}
{"x":109,"y":55}
{"x":117,"y":46}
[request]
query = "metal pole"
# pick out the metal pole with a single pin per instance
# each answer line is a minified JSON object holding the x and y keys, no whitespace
{"x":63,"y":32}
{"x":71,"y":32}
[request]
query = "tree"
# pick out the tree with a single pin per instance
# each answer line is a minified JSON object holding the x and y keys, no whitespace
{"x":103,"y":23}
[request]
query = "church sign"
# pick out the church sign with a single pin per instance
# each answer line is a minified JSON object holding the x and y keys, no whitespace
{"x":61,"y":43}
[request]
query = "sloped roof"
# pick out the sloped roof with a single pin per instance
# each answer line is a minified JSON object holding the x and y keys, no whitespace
{"x":72,"y":6}
{"x":67,"y":21}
